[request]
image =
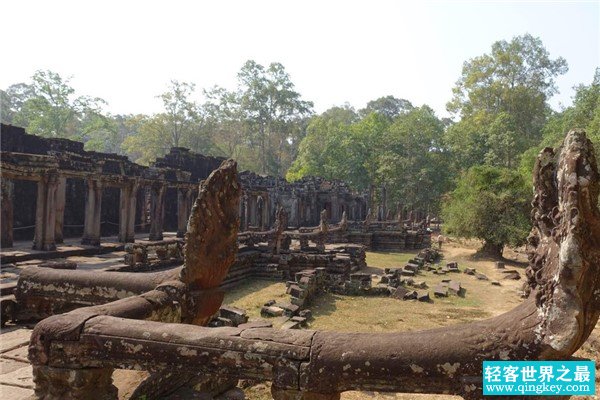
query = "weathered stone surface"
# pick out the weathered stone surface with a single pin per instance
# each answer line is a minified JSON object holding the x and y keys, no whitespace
{"x":13,"y":338}
{"x":59,"y":264}
{"x":481,"y":277}
{"x":271,"y":311}
{"x":513,"y":274}
{"x":236,"y":315}
{"x":455,"y":287}
{"x":423,"y":296}
{"x":16,"y":393}
{"x":440,"y":291}
{"x":410,"y":295}
{"x":256,"y":324}
{"x":22,"y":377}
{"x":7,"y":365}
{"x":291,"y":325}
{"x":400,"y":293}
{"x":211,"y":237}
{"x":66,"y":384}
{"x":18,"y":354}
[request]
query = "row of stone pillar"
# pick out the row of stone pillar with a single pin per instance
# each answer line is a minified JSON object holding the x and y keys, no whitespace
{"x":50,"y":207}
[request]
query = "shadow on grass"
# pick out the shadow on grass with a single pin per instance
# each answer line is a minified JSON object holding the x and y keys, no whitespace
{"x":324,"y":304}
{"x":247,"y":288}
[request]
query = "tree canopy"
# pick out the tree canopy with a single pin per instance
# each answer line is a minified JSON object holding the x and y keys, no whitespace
{"x":492,"y":204}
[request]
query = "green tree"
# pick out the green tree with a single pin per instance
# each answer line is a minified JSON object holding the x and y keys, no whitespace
{"x":181,"y":124}
{"x":501,"y":99}
{"x":406,"y":155}
{"x":584,"y":113}
{"x":273,"y":110}
{"x":389,"y":106}
{"x":340,"y":146}
{"x":491,"y":204}
{"x":414,"y":164}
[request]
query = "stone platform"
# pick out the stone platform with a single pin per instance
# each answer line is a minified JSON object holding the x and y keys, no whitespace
{"x":109,"y":255}
{"x":16,"y":381}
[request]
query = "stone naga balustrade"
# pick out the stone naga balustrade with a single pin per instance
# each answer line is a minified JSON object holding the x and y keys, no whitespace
{"x":74,"y":354}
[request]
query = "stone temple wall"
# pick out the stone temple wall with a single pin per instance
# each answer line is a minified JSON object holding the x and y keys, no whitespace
{"x":53,"y":188}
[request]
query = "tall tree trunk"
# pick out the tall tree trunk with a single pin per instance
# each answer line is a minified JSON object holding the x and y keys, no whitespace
{"x":491,"y":249}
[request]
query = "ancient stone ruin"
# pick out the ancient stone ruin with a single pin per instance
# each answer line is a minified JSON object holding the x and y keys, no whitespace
{"x":155,"y":321}
{"x":53,"y":189}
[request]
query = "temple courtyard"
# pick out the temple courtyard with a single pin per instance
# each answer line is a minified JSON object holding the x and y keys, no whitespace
{"x":330,"y":312}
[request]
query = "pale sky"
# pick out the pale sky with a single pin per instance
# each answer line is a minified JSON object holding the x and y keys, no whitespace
{"x":126,"y":52}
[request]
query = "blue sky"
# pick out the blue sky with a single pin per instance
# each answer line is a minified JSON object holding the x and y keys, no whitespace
{"x":335,"y":51}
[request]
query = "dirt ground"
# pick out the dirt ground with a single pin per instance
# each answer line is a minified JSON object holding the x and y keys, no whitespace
{"x":378,"y":314}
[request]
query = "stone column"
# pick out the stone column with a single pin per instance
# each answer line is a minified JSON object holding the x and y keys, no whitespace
{"x":246,"y":214}
{"x":184,"y":207}
{"x":45,"y":213}
{"x":60,"y":209}
{"x":157,"y":210}
{"x":93,"y":207}
{"x":128,"y":202}
{"x":73,"y":384}
{"x":6,"y":224}
{"x":294,"y":218}
{"x":335,"y":207}
{"x":259,"y":213}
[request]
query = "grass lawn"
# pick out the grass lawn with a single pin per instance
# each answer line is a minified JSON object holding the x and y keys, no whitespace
{"x":384,"y":314}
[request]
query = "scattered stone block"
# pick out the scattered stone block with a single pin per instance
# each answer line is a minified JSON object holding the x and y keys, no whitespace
{"x":300,"y":320}
{"x":400,"y":293}
{"x":499,"y":265}
{"x":305,"y":314}
{"x":470,"y":271}
{"x":271,"y":311}
{"x":289,"y":309}
{"x":481,"y":276}
{"x":291,"y":325}
{"x":270,"y":303}
{"x":495,"y":283}
{"x":256,"y":324}
{"x":360,"y":277}
{"x":297,"y":291}
{"x":412,"y":267}
{"x":455,"y":287}
{"x":423,"y":296}
{"x":406,"y":272}
{"x":440,"y":291}
{"x":453,"y":268}
{"x":512,"y":274}
{"x":235,"y":315}
{"x":219,"y":322}
{"x":411,"y":295}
